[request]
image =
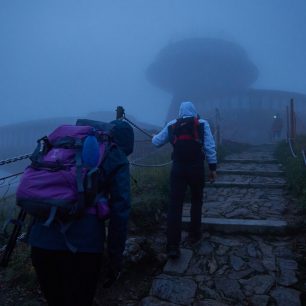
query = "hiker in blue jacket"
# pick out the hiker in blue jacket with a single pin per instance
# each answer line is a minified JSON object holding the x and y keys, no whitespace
{"x":192,"y":142}
{"x":70,"y":279}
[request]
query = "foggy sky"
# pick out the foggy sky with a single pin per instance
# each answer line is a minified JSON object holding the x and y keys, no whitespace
{"x":71,"y":57}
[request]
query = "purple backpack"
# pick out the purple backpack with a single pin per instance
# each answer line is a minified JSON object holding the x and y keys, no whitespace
{"x":64,"y":178}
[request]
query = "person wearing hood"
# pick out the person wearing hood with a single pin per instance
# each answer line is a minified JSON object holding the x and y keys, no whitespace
{"x":192,"y":143}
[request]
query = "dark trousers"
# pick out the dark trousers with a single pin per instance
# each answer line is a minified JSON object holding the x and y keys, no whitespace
{"x":182,"y":176}
{"x":67,"y":279}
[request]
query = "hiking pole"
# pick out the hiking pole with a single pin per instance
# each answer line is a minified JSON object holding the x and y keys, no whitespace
{"x":13,"y":238}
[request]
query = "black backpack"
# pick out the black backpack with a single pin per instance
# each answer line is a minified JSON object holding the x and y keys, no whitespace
{"x":186,"y":136}
{"x":121,"y":132}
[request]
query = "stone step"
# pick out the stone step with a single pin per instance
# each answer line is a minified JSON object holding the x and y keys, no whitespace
{"x":225,"y":184}
{"x":241,"y":225}
{"x":250,"y":172}
{"x":251,"y":161}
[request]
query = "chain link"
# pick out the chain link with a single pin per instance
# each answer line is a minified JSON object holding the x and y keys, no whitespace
{"x":14,"y":159}
{"x":137,"y":127}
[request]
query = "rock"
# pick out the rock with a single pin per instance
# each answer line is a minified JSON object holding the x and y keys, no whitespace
{"x":287,"y":278}
{"x":137,"y":249}
{"x":180,"y":264}
{"x":240,"y":274}
{"x":197,"y":266}
{"x":222,"y":260}
{"x":222,"y":270}
{"x":230,"y":288}
{"x":287,"y":264}
{"x":269,"y":263}
{"x":226,"y":241}
{"x":284,"y":252}
{"x":260,"y":300}
{"x":212,"y":265}
{"x":256,"y":265}
{"x":237,"y":262}
{"x":152,"y":301}
{"x":222,"y":250}
{"x":286,"y":296}
{"x":209,"y":293}
{"x":174,"y":289}
{"x":259,"y":284}
{"x":206,"y":248}
{"x":208,"y":302}
{"x":266,"y":249}
{"x":252,"y":250}
{"x":240,"y":212}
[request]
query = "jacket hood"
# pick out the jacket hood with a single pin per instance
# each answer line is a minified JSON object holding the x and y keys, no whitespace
{"x":187,"y":109}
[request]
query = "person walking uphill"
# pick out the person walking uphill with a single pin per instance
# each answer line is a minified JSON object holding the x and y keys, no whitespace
{"x":192,"y":143}
{"x":85,"y":161}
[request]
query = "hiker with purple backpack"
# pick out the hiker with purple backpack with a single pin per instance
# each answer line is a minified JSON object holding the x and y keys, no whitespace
{"x":78,"y":178}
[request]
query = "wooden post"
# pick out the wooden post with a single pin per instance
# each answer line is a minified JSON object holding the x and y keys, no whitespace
{"x":292,"y":121}
{"x":288,"y":122}
{"x":119,"y":112}
{"x":218,"y":132}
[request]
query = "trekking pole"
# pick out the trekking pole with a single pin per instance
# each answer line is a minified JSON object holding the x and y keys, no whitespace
{"x":120,"y":113}
{"x":13,"y":238}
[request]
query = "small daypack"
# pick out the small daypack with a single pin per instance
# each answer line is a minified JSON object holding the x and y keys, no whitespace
{"x":186,"y":136}
{"x":62,"y":180}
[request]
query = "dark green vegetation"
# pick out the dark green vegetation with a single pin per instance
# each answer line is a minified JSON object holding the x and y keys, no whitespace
{"x":294,"y":167}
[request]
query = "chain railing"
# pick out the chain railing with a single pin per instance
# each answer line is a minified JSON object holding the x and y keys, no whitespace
{"x":14,"y":159}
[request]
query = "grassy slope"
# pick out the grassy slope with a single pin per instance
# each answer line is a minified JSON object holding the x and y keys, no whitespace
{"x":294,"y":167}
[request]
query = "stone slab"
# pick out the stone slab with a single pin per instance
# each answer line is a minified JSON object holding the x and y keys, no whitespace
{"x":250,"y":172}
{"x":176,"y":290}
{"x":242,"y":225}
{"x":225,"y":184}
{"x":180,"y":264}
{"x":253,"y":161}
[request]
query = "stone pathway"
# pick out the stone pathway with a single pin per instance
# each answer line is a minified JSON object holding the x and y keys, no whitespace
{"x":236,"y":269}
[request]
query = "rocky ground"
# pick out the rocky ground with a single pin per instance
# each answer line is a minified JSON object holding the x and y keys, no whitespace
{"x":240,"y":268}
{"x":225,"y":268}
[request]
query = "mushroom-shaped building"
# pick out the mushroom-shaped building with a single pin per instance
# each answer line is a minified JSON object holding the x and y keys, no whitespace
{"x":215,"y":73}
{"x":202,"y":67}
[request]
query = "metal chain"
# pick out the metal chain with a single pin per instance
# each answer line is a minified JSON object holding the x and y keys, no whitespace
{"x":149,"y":135}
{"x":137,"y":127}
{"x":14,"y":159}
{"x":148,"y":166}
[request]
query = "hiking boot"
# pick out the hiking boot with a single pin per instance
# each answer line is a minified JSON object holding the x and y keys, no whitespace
{"x":173,"y":252}
{"x":194,"y":239}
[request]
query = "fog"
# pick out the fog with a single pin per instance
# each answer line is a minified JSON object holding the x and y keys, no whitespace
{"x":72,"y":57}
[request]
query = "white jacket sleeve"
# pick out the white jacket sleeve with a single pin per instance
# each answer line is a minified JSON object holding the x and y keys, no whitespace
{"x":209,"y":145}
{"x":163,"y":136}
